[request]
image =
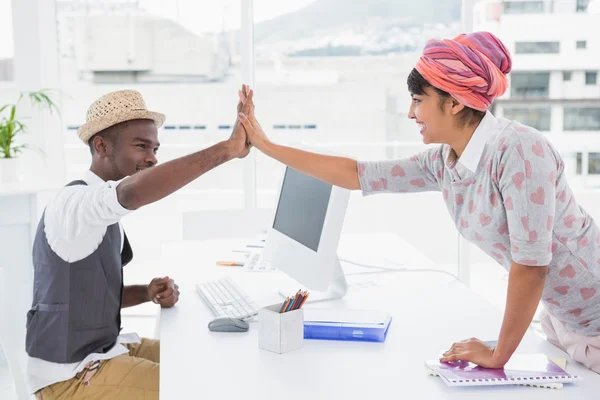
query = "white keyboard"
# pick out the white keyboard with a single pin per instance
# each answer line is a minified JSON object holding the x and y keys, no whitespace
{"x":225,"y":298}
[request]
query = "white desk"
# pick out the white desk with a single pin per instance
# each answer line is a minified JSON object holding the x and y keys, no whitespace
{"x":430,"y":311}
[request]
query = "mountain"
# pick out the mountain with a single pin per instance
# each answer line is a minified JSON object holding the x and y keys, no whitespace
{"x":345,"y":27}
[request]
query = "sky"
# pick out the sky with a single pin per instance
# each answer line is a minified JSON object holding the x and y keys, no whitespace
{"x":196,"y":15}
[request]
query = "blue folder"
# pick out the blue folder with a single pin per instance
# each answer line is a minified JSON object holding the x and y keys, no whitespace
{"x":343,"y":324}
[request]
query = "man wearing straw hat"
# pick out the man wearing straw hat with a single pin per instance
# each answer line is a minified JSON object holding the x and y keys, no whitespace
{"x":73,"y":338}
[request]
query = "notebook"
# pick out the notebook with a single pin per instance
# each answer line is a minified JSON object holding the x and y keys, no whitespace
{"x":526,"y":369}
{"x":433,"y":372}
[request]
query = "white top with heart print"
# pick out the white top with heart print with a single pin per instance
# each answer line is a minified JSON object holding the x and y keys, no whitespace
{"x":508,"y":194}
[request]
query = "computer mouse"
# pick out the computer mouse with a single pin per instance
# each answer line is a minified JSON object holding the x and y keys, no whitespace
{"x":228,"y":324}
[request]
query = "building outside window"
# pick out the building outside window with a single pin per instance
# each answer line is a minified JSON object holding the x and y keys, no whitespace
{"x":582,"y":119}
{"x":523,"y":7}
{"x":537,"y":47}
{"x":530,"y":84}
{"x":536,"y":117}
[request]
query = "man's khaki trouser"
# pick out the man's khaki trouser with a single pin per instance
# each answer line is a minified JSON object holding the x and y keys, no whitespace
{"x":130,"y":376}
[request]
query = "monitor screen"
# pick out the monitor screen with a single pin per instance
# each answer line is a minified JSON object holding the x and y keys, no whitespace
{"x":302,"y":208}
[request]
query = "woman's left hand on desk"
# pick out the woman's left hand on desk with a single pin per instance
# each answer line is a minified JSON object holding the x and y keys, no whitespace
{"x":472,"y":350}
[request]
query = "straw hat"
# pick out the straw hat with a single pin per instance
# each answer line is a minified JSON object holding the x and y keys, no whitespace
{"x":113,"y":108}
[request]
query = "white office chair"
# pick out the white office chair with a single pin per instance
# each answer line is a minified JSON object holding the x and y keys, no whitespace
{"x":225,"y":224}
{"x":16,"y":289}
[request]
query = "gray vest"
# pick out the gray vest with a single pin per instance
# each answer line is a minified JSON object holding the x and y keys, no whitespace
{"x":76,"y":307}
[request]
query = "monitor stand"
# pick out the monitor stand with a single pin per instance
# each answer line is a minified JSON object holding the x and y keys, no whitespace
{"x":338,"y":287}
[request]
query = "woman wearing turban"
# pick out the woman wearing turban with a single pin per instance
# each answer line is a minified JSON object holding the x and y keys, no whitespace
{"x":505,"y":188}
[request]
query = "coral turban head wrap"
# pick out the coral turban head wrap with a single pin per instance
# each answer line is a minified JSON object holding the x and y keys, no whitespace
{"x":472,"y":68}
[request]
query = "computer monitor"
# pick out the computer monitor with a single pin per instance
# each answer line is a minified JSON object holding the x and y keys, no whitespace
{"x":304,"y":236}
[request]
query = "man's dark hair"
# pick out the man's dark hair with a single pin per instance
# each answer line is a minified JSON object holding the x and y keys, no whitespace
{"x":417,"y":85}
{"x":110,"y":134}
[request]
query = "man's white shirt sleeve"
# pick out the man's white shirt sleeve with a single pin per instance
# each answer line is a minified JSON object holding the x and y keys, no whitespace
{"x":76,"y":219}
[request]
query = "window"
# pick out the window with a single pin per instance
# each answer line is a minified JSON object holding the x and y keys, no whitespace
{"x":591,"y":77}
{"x":312,"y":69}
{"x":523,"y":7}
{"x":184,"y":58}
{"x":581,"y":44}
{"x":579,"y":163}
{"x":536,"y":117}
{"x":530,"y":84}
{"x":537,"y":47}
{"x":6,"y":42}
{"x":582,"y":5}
{"x":582,"y":119}
{"x":594,"y":163}
{"x":567,"y":75}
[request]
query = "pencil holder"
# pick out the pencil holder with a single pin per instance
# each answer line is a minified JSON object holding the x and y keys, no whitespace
{"x":280,"y":332}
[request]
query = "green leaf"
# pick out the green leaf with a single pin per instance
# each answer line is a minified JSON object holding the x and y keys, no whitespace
{"x":10,"y":126}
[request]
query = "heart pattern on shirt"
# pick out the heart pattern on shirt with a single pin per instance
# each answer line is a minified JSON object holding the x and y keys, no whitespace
{"x":398,"y":171}
{"x":518,"y":180}
{"x":503,"y":229}
{"x":552,"y":177}
{"x":379,"y":185}
{"x":527,"y":168}
{"x":471,"y":206}
{"x":501,"y":145}
{"x":464,"y":223}
{"x":499,"y":246}
{"x":459,"y":199}
{"x":562,"y":196}
{"x":478,"y":236}
{"x":500,"y":170}
{"x":562,"y":290}
{"x":520,"y":151}
{"x":576,"y":312}
{"x":569,"y":220}
{"x":479,"y":190}
{"x":554,"y":247}
{"x":587,"y":293}
{"x":484,"y":219}
{"x":583,"y":241}
{"x":525,"y":223}
{"x":440,"y":173}
{"x":532,"y":237}
{"x":553,"y":302}
{"x":538,"y":149}
{"x":418,"y":182}
{"x":494,"y":200}
{"x":514,"y":248}
{"x":361,"y":169}
{"x":538,"y":197}
{"x":567,"y":272}
{"x":445,"y":194}
{"x":508,"y":203}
